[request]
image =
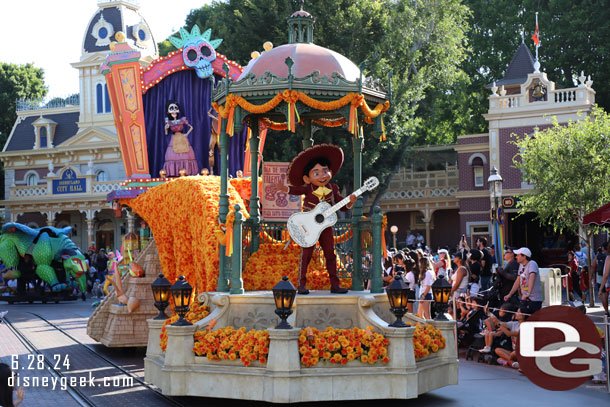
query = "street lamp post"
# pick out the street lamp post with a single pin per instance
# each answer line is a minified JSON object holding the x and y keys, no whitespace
{"x":495,"y":195}
{"x":394,"y":230}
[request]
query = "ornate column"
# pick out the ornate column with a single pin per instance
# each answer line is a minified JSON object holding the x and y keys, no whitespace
{"x":131,"y":221}
{"x":223,"y":202}
{"x":50,"y":217}
{"x":123,"y":76}
{"x":254,"y":195}
{"x":306,"y":133}
{"x":357,"y":284}
{"x":90,"y":217}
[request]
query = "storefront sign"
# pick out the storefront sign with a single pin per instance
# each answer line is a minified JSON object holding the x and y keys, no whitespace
{"x":69,"y":183}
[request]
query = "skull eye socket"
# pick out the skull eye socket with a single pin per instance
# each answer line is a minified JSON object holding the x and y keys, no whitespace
{"x":205,"y":51}
{"x":191,"y":55}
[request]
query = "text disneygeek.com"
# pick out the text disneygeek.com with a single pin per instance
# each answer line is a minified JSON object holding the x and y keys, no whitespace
{"x":64,"y":382}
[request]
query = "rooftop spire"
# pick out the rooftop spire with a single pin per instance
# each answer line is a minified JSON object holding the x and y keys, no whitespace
{"x":536,"y":40}
{"x":300,"y":26}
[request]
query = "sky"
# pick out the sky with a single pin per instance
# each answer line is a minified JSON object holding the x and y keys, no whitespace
{"x":55,"y":30}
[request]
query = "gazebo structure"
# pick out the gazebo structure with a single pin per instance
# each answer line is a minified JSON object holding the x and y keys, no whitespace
{"x":295,"y":87}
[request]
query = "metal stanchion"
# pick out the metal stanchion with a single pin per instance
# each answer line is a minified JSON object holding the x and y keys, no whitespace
{"x":455,"y":326}
{"x":607,"y":335}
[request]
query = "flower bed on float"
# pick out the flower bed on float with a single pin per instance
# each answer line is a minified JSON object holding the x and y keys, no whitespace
{"x":340,"y":346}
{"x":197,"y":313}
{"x":229,"y":343}
{"x":426,"y":340}
{"x":337,"y":346}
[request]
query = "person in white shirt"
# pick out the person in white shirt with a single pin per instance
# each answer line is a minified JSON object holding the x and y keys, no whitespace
{"x":426,"y":278}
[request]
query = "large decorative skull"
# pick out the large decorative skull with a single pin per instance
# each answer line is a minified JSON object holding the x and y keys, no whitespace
{"x":199,"y":55}
{"x":199,"y":52}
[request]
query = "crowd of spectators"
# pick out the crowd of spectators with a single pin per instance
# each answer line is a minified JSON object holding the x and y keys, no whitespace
{"x":491,"y":297}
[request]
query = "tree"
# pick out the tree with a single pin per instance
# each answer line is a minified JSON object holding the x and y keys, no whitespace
{"x":17,"y":82}
{"x":573,"y":38}
{"x":569,"y":168}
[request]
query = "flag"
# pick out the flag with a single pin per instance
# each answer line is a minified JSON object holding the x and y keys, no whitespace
{"x":535,"y":37}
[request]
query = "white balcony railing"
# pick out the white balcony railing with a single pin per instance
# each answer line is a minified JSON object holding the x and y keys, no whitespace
{"x":577,"y":96}
{"x":28,"y":191}
{"x":408,"y":184}
{"x":42,"y":190}
{"x":105,"y":187}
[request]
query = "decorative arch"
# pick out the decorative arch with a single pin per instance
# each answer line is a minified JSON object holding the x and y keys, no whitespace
{"x":477,"y":155}
{"x":31,"y":174}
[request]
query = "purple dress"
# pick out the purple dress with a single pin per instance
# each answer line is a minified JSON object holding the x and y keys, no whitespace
{"x":179,"y":154}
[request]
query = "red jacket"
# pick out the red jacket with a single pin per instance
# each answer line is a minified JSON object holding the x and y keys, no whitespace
{"x":311,"y":200}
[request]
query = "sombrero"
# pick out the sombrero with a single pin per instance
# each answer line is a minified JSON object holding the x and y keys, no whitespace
{"x":331,"y":152}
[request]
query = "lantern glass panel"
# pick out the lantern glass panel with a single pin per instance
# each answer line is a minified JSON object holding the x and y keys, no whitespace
{"x":157,"y":294}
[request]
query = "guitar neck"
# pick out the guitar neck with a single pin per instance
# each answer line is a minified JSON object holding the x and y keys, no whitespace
{"x":343,"y":202}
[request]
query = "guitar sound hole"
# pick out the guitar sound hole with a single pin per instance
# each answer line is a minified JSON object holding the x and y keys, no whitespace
{"x":319,"y":218}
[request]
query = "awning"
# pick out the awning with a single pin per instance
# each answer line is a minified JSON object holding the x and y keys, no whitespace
{"x":599,"y":216}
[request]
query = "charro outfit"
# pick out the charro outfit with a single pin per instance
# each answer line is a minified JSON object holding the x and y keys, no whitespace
{"x":312,"y":196}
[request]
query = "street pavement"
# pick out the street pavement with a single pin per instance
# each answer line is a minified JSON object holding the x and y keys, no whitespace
{"x":479,"y":384}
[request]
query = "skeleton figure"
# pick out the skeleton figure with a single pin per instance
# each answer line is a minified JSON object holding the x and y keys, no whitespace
{"x":199,"y":51}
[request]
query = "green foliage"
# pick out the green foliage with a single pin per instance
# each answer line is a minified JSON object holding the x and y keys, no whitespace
{"x":569,"y":166}
{"x":17,"y":82}
{"x":421,"y":41}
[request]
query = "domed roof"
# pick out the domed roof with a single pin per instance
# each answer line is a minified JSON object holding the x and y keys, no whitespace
{"x":307,"y":58}
{"x":114,"y":16}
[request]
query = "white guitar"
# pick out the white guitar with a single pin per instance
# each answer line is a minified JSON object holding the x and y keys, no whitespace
{"x":305,"y":227}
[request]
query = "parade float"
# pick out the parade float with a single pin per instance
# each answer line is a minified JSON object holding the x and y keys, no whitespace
{"x":226,"y":269}
{"x":45,"y":263}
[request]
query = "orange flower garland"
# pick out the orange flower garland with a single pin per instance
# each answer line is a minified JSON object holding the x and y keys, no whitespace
{"x":290,"y":97}
{"x":183,"y":216}
{"x":340,"y":346}
{"x":426,"y":340}
{"x":230,"y":344}
{"x":197,"y":313}
{"x":270,"y":262}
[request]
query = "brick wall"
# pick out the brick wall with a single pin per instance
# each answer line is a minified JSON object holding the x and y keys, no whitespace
{"x":467,"y":172}
{"x":510,"y":174}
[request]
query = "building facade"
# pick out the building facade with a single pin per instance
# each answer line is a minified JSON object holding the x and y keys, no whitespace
{"x":445,"y":203}
{"x":62,"y":158}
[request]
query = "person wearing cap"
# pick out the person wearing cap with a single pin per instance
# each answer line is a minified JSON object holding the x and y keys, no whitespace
{"x":442,"y":266}
{"x":528,"y":282}
{"x":309,"y":174}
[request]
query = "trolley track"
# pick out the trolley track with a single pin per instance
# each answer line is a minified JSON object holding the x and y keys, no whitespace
{"x":79,"y":350}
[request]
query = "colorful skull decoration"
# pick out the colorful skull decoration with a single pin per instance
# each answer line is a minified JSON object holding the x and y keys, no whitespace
{"x":199,"y":51}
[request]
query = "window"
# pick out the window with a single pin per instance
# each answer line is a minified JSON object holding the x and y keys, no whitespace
{"x":101,"y":176}
{"x":107,"y":106}
{"x":43,"y":137}
{"x":102,"y":99}
{"x":477,"y":168}
{"x":31,"y":180}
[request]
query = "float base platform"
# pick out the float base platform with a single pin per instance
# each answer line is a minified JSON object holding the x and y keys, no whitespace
{"x":283,"y":379}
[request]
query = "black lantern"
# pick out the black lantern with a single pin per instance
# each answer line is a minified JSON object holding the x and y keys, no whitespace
{"x":283,"y":294}
{"x":160,"y":289}
{"x":398,"y":293}
{"x":441,"y":290}
{"x":181,"y":291}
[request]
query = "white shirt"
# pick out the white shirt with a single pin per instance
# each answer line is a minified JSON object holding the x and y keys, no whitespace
{"x":410,"y":278}
{"x":410,"y":239}
{"x":428,"y":279}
